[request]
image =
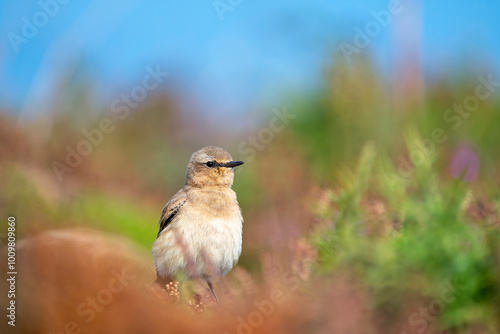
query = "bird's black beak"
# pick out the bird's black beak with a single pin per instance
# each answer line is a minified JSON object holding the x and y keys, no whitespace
{"x":232,"y":164}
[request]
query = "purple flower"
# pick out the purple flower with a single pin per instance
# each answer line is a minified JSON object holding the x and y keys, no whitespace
{"x":465,"y":161}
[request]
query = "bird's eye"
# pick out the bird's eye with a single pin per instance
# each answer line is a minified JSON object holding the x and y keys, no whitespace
{"x":210,"y":164}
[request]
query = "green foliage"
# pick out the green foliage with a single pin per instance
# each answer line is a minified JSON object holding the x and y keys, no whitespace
{"x":430,"y":241}
{"x":116,"y":215}
{"x":36,"y":204}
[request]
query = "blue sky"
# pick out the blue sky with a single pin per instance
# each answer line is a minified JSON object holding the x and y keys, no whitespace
{"x":260,"y":51}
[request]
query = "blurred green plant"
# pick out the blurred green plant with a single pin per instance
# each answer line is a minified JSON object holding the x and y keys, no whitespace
{"x":428,"y":239}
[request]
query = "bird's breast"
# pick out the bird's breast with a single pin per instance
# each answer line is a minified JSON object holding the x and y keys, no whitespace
{"x":207,"y":235}
{"x":213,"y":244}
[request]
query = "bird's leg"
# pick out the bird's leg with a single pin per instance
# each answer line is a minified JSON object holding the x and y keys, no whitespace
{"x":213,"y":291}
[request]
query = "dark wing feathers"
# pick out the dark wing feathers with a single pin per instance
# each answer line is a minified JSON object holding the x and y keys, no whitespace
{"x":171,"y":209}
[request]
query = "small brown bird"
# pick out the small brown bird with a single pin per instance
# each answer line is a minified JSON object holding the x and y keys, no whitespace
{"x":200,"y":232}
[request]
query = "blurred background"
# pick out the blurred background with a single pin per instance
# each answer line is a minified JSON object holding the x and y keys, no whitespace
{"x":369,"y":132}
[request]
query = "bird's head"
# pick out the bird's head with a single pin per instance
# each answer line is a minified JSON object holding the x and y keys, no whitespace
{"x":211,"y":166}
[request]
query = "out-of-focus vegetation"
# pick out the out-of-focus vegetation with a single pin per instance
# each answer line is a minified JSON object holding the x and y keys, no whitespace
{"x":391,"y":236}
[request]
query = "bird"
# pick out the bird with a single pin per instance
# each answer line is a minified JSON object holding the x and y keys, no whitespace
{"x":201,"y":226}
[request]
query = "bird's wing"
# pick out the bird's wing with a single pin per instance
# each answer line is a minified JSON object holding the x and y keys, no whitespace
{"x":171,"y":209}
